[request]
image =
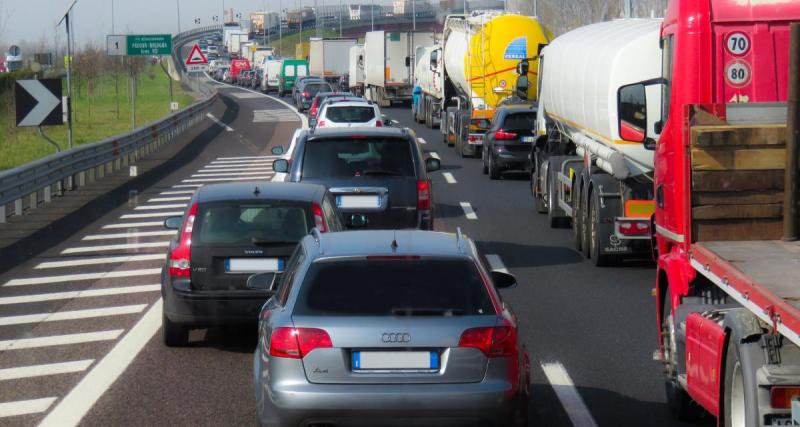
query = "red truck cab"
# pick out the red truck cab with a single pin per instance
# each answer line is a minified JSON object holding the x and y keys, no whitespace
{"x":237,"y":66}
{"x":723,"y":318}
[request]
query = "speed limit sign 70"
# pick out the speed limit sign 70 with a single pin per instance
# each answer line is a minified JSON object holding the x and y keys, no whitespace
{"x":737,"y":43}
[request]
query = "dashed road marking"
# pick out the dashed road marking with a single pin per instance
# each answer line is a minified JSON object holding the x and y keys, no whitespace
{"x":157,"y":207}
{"x":72,"y":315}
{"x":82,"y":276}
{"x":449,"y":177}
{"x":570,"y":399}
{"x":169,"y":193}
{"x":134,"y":225}
{"x":53,"y":340}
{"x":247,"y":178}
{"x":234,"y":174}
{"x":219,"y":159}
{"x":255,"y":165}
{"x":275,"y":115}
{"x":98,"y":261}
{"x":45,"y":369}
{"x":152,"y":215}
{"x":496,"y":263}
{"x":219,"y":123}
{"x":170,"y":199}
{"x":89,"y":293}
{"x":130,"y":235}
{"x":188,"y":186}
{"x":25,"y":407}
{"x":468,"y":211}
{"x":84,"y":249}
{"x":240,"y":170}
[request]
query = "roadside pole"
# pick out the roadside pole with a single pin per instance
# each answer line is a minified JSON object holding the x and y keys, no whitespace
{"x":69,"y":63}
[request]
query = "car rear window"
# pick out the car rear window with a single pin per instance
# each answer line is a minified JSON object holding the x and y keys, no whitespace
{"x":380,"y":287}
{"x":480,"y":124}
{"x":357,"y":157}
{"x":233,"y":223}
{"x":520,"y":121}
{"x":313,"y":88}
{"x":350,"y":114}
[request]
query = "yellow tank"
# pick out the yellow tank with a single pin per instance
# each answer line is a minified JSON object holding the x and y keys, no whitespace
{"x":301,"y":50}
{"x":481,"y":53}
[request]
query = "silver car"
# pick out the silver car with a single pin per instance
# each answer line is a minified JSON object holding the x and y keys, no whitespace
{"x":389,"y":328}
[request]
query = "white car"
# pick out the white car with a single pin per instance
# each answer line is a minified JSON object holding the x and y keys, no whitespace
{"x":349,"y":114}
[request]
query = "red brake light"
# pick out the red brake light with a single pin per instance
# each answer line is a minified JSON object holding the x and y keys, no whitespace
{"x":180,"y":257}
{"x":501,"y":134}
{"x":378,"y":124}
{"x":498,"y":341}
{"x":296,"y":343}
{"x":423,"y":195}
{"x":305,"y":94}
{"x":780,"y":397}
{"x":319,"y":218}
{"x":634,"y":228}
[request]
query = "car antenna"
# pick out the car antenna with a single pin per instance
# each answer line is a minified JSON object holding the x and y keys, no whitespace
{"x":394,"y":241}
{"x":256,"y":191}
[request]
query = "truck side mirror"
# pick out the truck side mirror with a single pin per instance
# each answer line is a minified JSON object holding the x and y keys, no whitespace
{"x":434,"y":59}
{"x":522,"y":87}
{"x":632,"y":112}
{"x":408,"y":61}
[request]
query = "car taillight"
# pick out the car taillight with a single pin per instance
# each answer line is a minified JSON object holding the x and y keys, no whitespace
{"x":305,"y":94}
{"x":319,"y":219}
{"x":180,"y":257}
{"x":378,"y":124}
{"x":313,"y":112}
{"x":424,"y":195}
{"x":497,"y":341}
{"x":321,"y":124}
{"x":780,"y":397}
{"x":634,"y":228}
{"x":501,"y":134}
{"x":296,"y":343}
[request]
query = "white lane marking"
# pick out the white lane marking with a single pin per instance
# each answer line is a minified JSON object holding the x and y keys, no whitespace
{"x":496,"y":263}
{"x":82,"y":276}
{"x":219,"y":123}
{"x":72,"y":315}
{"x":449,"y":177}
{"x":254,"y":170}
{"x":84,"y":249}
{"x":54,"y":296}
{"x":72,"y":408}
{"x":421,"y":141}
{"x":96,"y":261}
{"x":568,"y":395}
{"x":246,"y":158}
{"x":157,"y":207}
{"x":468,"y":211}
{"x":234,"y":174}
{"x":188,"y":186}
{"x":170,"y":193}
{"x":152,"y":215}
{"x":45,"y":369}
{"x":84,"y":337}
{"x":25,"y":407}
{"x":303,"y":118}
{"x":247,"y":178}
{"x":134,"y":225}
{"x":232,"y":163}
{"x":240,"y":166}
{"x":170,"y":199}
{"x":130,"y":235}
{"x":434,"y":154}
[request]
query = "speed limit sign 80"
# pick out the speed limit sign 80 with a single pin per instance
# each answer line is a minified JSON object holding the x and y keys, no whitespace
{"x":737,"y":73}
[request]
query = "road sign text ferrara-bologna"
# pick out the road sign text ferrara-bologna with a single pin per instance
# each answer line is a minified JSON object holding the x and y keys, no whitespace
{"x":146,"y":45}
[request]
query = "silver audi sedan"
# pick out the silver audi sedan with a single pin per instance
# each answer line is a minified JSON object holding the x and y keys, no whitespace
{"x":371,"y":328}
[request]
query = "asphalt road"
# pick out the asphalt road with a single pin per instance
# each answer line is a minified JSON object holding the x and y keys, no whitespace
{"x":79,"y":323}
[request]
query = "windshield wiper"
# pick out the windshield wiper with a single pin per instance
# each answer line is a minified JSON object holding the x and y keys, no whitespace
{"x":427,"y":311}
{"x":380,"y":172}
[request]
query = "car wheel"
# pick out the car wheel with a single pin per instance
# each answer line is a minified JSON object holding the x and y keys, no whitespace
{"x":174,"y":335}
{"x":493,"y":172}
{"x":484,"y":168}
{"x":599,"y":260}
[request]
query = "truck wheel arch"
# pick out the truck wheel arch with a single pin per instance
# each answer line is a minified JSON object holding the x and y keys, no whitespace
{"x":742,"y":349}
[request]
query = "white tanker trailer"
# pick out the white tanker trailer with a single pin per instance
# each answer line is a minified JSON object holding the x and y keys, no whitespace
{"x":585,"y":169}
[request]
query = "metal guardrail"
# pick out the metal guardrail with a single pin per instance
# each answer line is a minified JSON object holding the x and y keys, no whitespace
{"x":26,"y":186}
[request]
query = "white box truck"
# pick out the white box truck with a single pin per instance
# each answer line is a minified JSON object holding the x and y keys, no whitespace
{"x":329,"y":58}
{"x":389,"y":64}
{"x":355,"y":79}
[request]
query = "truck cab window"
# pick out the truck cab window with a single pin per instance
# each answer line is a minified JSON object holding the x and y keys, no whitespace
{"x":668,"y":52}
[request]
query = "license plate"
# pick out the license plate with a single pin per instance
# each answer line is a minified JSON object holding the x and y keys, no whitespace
{"x":475,"y":140}
{"x":395,"y":360}
{"x":253,"y":265}
{"x":528,"y":139}
{"x":355,"y":202}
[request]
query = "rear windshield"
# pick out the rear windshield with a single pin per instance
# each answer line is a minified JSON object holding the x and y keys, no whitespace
{"x":427,"y":287}
{"x":313,"y":88}
{"x":248,"y":223}
{"x":350,"y":114}
{"x":520,"y":121}
{"x":480,"y":123}
{"x":357,"y":157}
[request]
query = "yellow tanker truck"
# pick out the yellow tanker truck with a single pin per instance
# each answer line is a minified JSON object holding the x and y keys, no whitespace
{"x":473,"y":69}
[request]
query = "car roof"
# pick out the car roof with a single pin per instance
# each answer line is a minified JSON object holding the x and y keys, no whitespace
{"x":357,"y":130}
{"x":517,"y":107}
{"x":349,"y":103}
{"x":295,"y":192}
{"x":388,"y":243}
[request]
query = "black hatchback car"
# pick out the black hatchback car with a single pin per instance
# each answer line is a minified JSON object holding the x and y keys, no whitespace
{"x":378,"y":176}
{"x":229,"y":232}
{"x":509,"y":140}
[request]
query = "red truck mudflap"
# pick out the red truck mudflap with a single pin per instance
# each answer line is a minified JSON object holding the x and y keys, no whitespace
{"x":705,"y":344}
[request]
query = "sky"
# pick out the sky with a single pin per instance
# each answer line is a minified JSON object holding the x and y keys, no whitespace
{"x":31,"y":20}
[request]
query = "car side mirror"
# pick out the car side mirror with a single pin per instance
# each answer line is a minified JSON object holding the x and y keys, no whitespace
{"x":432,"y":164}
{"x":262,"y":282}
{"x":522,"y":87}
{"x":173,"y":223}
{"x":280,"y":166}
{"x":632,"y":112}
{"x":408,"y":61}
{"x":503,"y":280}
{"x":277,"y":150}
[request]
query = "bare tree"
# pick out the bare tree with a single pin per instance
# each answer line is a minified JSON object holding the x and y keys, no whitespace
{"x":5,"y":16}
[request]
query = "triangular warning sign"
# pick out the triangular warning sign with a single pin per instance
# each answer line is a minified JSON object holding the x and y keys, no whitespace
{"x":196,"y":57}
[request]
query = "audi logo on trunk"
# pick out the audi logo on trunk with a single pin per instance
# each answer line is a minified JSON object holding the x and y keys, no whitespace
{"x":395,"y":337}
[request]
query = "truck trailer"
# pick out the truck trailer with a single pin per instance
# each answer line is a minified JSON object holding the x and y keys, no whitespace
{"x":476,"y":64}
{"x":355,"y":78}
{"x":389,"y":64}
{"x":585,"y":170}
{"x":329,"y":58}
{"x":726,"y":212}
